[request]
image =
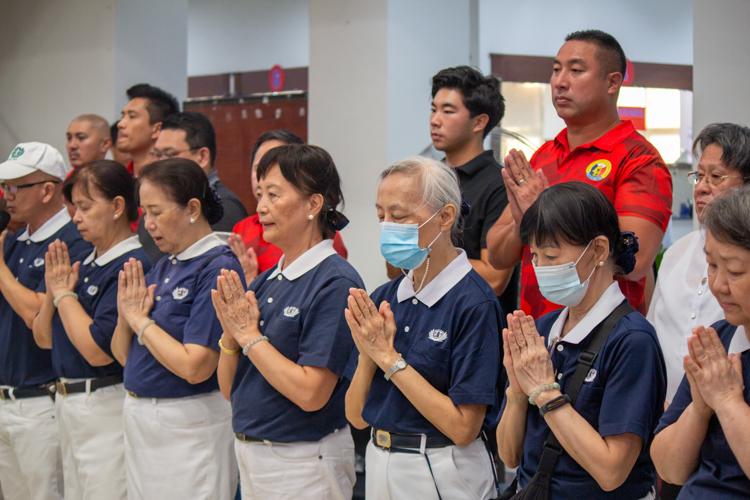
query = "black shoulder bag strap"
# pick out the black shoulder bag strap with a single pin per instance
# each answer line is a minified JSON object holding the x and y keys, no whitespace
{"x":552,"y":449}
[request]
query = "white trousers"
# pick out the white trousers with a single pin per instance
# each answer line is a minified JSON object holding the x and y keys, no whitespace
{"x":30,"y":461}
{"x":321,"y":470}
{"x":459,"y":473}
{"x":92,"y":443}
{"x":179,"y":448}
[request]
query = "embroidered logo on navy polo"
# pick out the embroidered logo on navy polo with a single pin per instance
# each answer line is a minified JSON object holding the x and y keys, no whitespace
{"x":591,"y":375}
{"x":179,"y":293}
{"x":38,"y":262}
{"x":291,"y":312}
{"x":92,"y":290}
{"x":437,"y":335}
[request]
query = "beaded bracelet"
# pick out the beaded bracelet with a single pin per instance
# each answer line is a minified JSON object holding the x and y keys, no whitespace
{"x":252,"y":343}
{"x":143,"y":329}
{"x":62,"y":296}
{"x":543,"y":388}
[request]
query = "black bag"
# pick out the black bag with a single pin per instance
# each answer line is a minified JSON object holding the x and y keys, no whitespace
{"x":538,"y":487}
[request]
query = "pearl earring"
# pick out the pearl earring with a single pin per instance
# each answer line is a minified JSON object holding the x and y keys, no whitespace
{"x":192,"y":220}
{"x":601,"y":262}
{"x":116,"y":216}
{"x":311,"y":216}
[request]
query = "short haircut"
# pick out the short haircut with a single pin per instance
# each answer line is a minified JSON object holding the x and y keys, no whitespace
{"x":96,"y":121}
{"x":310,"y":170}
{"x":734,"y":141}
{"x":199,"y":132}
{"x":480,"y":94}
{"x":282,"y":135}
{"x":114,"y":132}
{"x":575,"y":213}
{"x":110,"y":179}
{"x":727,"y":219}
{"x":610,"y":54}
{"x":160,"y":104}
{"x":183,"y":180}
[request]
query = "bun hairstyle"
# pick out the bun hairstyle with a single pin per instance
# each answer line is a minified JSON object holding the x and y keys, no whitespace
{"x":576,"y":213}
{"x":110,"y":179}
{"x":310,"y":170}
{"x":183,"y":180}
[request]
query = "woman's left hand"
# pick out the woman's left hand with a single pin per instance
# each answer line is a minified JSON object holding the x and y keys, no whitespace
{"x":134,"y":298}
{"x":718,"y":376}
{"x":531,"y":361}
{"x":237,"y":311}
{"x":373,"y":330}
{"x":60,"y":276}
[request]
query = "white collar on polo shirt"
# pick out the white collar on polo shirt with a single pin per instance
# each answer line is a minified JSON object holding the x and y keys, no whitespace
{"x":305,"y":262}
{"x":739,"y":342}
{"x":200,"y":247}
{"x":608,"y":302}
{"x":53,"y":225}
{"x":121,"y":248}
{"x":440,"y":284}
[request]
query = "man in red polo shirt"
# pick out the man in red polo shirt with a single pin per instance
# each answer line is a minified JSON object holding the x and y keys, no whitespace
{"x":597,"y":148}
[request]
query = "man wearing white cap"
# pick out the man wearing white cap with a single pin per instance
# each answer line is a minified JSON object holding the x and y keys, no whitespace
{"x":30,"y":460}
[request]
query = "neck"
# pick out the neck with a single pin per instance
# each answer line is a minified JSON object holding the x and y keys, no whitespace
{"x":201,"y":231}
{"x":600,"y":281}
{"x":45,"y":213}
{"x":140,"y":160}
{"x":299,"y":246}
{"x":465,"y":154}
{"x":118,"y":235}
{"x":587,"y":131}
{"x":442,"y":254}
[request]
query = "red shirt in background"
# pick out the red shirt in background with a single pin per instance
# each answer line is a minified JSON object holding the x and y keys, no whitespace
{"x":628,"y":170}
{"x":268,"y":255}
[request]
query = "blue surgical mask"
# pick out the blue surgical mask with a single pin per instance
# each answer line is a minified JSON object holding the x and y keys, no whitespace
{"x":399,"y":244}
{"x":561,"y":284}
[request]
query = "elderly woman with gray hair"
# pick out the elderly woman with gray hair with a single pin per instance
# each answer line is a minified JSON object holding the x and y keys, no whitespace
{"x":428,"y":342}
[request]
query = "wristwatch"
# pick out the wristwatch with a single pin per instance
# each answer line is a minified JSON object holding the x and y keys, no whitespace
{"x":400,"y":364}
{"x":554,"y":404}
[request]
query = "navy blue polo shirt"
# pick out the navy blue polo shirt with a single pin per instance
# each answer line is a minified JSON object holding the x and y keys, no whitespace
{"x":623,"y":393}
{"x":449,"y":333}
{"x":302,"y":314}
{"x":22,"y":362}
{"x":182,"y":308}
{"x":97,"y":294}
{"x":719,"y":475}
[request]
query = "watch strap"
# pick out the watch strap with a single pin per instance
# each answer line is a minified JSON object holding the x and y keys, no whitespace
{"x":400,"y":364}
{"x":554,"y":404}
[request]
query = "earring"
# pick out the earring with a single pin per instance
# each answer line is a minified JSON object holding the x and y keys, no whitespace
{"x":192,"y":220}
{"x":116,"y":216}
{"x":601,"y":263}
{"x":311,"y":216}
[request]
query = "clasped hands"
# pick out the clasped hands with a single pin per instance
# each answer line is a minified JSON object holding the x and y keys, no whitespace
{"x":373,"y":329}
{"x":236,"y":309}
{"x":246,"y":256}
{"x":526,"y":360}
{"x":715,"y":378}
{"x":522,"y":183}
{"x":59,"y":275}
{"x":134,"y":299}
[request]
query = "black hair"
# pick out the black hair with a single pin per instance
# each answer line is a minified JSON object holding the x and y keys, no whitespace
{"x":282,"y":135}
{"x":310,"y":170}
{"x":183,"y":180}
{"x":576,"y":213}
{"x":610,"y":54}
{"x":160,"y":104}
{"x":728,"y":220}
{"x":480,"y":94}
{"x":734,"y":141}
{"x":114,"y":132}
{"x":199,"y":132}
{"x":109,"y":178}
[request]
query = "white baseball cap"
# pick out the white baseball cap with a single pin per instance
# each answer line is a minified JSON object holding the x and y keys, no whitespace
{"x":29,"y":157}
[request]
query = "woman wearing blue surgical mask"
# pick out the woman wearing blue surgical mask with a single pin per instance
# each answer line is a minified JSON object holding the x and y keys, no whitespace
{"x":427,"y":373}
{"x":576,"y":245}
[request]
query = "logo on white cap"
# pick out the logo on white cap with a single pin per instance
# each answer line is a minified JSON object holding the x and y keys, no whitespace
{"x":16,"y":153}
{"x":29,"y":157}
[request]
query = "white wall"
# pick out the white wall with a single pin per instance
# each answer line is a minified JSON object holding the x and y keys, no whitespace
{"x":247,"y":35}
{"x":648,"y":30}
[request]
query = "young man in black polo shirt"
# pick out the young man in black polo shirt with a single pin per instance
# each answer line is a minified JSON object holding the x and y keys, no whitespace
{"x":466,"y":105}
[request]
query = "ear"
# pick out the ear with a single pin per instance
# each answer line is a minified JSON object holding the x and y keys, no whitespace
{"x":480,"y":122}
{"x":119,"y":206}
{"x":315,"y":204}
{"x":447,"y":217}
{"x":204,"y":157}
{"x":49,"y":192}
{"x":156,"y":131}
{"x":194,"y":208}
{"x":106,"y":144}
{"x":614,"y":82}
{"x":601,"y":249}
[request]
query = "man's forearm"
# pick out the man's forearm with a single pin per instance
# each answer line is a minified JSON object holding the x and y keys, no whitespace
{"x":504,"y":247}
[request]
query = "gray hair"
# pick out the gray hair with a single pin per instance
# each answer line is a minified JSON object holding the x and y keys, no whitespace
{"x":734,"y":141}
{"x":438,"y":181}
{"x":729,"y":218}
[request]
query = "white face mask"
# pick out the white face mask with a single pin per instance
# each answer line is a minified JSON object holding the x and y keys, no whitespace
{"x":561,"y":284}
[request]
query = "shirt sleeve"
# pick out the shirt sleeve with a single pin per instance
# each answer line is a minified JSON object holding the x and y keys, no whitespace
{"x":105,"y":317}
{"x":633,"y":398}
{"x":645,"y":190}
{"x":681,"y":400}
{"x":325,"y":340}
{"x":475,"y":357}
{"x":495,"y":206}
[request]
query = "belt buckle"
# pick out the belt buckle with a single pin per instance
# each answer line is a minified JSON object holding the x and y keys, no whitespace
{"x":61,"y":389}
{"x":383,"y":439}
{"x":132,"y":394}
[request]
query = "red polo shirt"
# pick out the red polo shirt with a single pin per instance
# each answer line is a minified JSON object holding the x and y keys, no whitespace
{"x":251,"y":231}
{"x":628,"y":170}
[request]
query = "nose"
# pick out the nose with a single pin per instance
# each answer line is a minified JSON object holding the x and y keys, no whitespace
{"x":559,"y":79}
{"x":77,"y":217}
{"x":434,"y":119}
{"x":149,"y":222}
{"x":702,"y":187}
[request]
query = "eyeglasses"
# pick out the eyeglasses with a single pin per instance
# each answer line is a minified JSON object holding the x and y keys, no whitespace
{"x":14,"y":189}
{"x":712,"y":180}
{"x":163,"y":155}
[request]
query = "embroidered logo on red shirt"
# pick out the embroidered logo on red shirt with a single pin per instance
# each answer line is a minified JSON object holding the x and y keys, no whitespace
{"x":598,"y":170}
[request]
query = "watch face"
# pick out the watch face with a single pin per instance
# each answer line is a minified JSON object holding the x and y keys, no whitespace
{"x":401,"y":364}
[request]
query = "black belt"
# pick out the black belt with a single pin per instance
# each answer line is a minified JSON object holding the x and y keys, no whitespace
{"x":392,"y":441}
{"x":65,"y":388}
{"x":27,"y":392}
{"x":247,"y":439}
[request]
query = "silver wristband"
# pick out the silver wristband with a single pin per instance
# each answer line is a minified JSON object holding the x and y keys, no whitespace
{"x":252,"y":343}
{"x":62,"y":296}
{"x":143,"y":329}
